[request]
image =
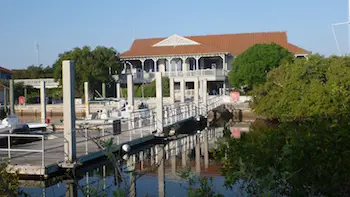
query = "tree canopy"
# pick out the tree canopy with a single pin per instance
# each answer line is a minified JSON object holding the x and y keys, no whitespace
{"x":33,"y":72}
{"x":94,"y":66}
{"x":250,"y":67}
{"x":308,"y":158}
{"x":306,"y":88}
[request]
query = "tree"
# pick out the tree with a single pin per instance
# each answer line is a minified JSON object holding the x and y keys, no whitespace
{"x":33,"y":72}
{"x":305,"y":89}
{"x":93,"y":66}
{"x":307,"y":158}
{"x":250,"y":67}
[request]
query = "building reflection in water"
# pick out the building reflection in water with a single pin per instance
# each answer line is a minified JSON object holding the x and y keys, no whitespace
{"x":162,"y":160}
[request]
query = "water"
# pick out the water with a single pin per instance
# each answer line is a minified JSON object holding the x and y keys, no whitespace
{"x":102,"y":177}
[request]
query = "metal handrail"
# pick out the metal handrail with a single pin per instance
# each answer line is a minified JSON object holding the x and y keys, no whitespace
{"x":9,"y":150}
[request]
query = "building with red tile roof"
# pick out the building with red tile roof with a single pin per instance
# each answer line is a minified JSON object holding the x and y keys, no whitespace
{"x":203,"y":56}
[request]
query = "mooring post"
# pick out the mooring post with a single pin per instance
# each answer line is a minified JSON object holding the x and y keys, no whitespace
{"x":87,"y":104}
{"x":12,"y":97}
{"x":197,"y":154}
{"x":159,"y":107}
{"x":130,"y":85}
{"x":118,"y":90}
{"x":43,"y":101}
{"x":104,"y":90}
{"x":161,"y":172}
{"x":68,"y":111}
{"x":172,"y":90}
{"x":196,"y":95}
{"x":182,"y":90}
{"x":206,"y":148}
{"x":25,"y":95}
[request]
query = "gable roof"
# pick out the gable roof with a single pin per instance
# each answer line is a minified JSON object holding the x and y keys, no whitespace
{"x":224,"y":43}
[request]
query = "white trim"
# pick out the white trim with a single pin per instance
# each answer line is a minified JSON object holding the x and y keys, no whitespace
{"x":175,"y":40}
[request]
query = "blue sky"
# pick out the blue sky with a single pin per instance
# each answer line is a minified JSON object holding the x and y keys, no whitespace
{"x":59,"y":26}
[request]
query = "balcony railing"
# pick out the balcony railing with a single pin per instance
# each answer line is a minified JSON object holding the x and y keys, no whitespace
{"x":148,"y":77}
{"x":196,"y":73}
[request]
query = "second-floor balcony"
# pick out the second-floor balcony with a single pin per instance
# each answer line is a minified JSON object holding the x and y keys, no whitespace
{"x":148,"y":77}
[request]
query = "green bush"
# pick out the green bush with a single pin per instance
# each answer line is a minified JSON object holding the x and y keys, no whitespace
{"x":149,"y":89}
{"x":306,"y":88}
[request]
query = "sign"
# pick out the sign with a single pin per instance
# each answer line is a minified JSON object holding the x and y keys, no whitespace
{"x":234,"y":96}
{"x":235,"y":133}
{"x":21,"y":100}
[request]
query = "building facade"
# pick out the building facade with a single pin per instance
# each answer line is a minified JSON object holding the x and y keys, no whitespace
{"x":186,"y":58}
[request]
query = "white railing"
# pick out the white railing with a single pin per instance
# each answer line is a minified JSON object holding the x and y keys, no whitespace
{"x":9,"y":149}
{"x":49,"y":82}
{"x":147,"y":77}
{"x":174,"y":113}
{"x":188,"y":93}
{"x":196,"y":73}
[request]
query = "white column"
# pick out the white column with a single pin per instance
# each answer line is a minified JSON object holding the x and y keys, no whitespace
{"x":197,"y":63}
{"x":182,"y":90}
{"x":12,"y":97}
{"x":130,"y":86}
{"x":68,"y":111}
{"x":205,"y":94}
{"x":155,"y":65}
{"x":159,"y":100}
{"x":118,"y":89}
{"x":224,"y":62}
{"x":196,"y":94}
{"x":43,"y":101}
{"x":172,"y":90}
{"x":184,"y":65}
{"x":169,"y":67}
{"x":87,"y":105}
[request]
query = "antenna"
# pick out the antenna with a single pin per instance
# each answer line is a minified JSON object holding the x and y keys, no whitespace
{"x":38,"y":52}
{"x":343,"y":23}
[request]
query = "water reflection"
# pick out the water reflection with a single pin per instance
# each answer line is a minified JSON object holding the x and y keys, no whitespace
{"x":153,"y":171}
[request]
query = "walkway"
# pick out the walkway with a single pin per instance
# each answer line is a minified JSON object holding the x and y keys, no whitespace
{"x":44,"y":156}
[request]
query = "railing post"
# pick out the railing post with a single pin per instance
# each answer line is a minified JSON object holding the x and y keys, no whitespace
{"x":9,"y":146}
{"x":43,"y":152}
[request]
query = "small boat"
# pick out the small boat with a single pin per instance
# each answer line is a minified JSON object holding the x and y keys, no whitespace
{"x":11,"y":125}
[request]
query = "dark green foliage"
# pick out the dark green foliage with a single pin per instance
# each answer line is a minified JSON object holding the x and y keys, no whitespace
{"x":91,"y":66}
{"x":309,"y":158}
{"x":8,"y":182}
{"x":250,"y":67}
{"x":198,"y":186}
{"x":33,"y":72}
{"x":306,"y":88}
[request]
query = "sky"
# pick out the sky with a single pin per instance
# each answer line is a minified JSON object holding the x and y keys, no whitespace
{"x":59,"y":26}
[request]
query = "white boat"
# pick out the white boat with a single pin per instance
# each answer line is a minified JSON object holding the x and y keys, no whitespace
{"x":11,"y":125}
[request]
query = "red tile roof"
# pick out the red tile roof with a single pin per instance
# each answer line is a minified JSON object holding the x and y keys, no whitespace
{"x":296,"y":50}
{"x":5,"y":70}
{"x":225,"y":43}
